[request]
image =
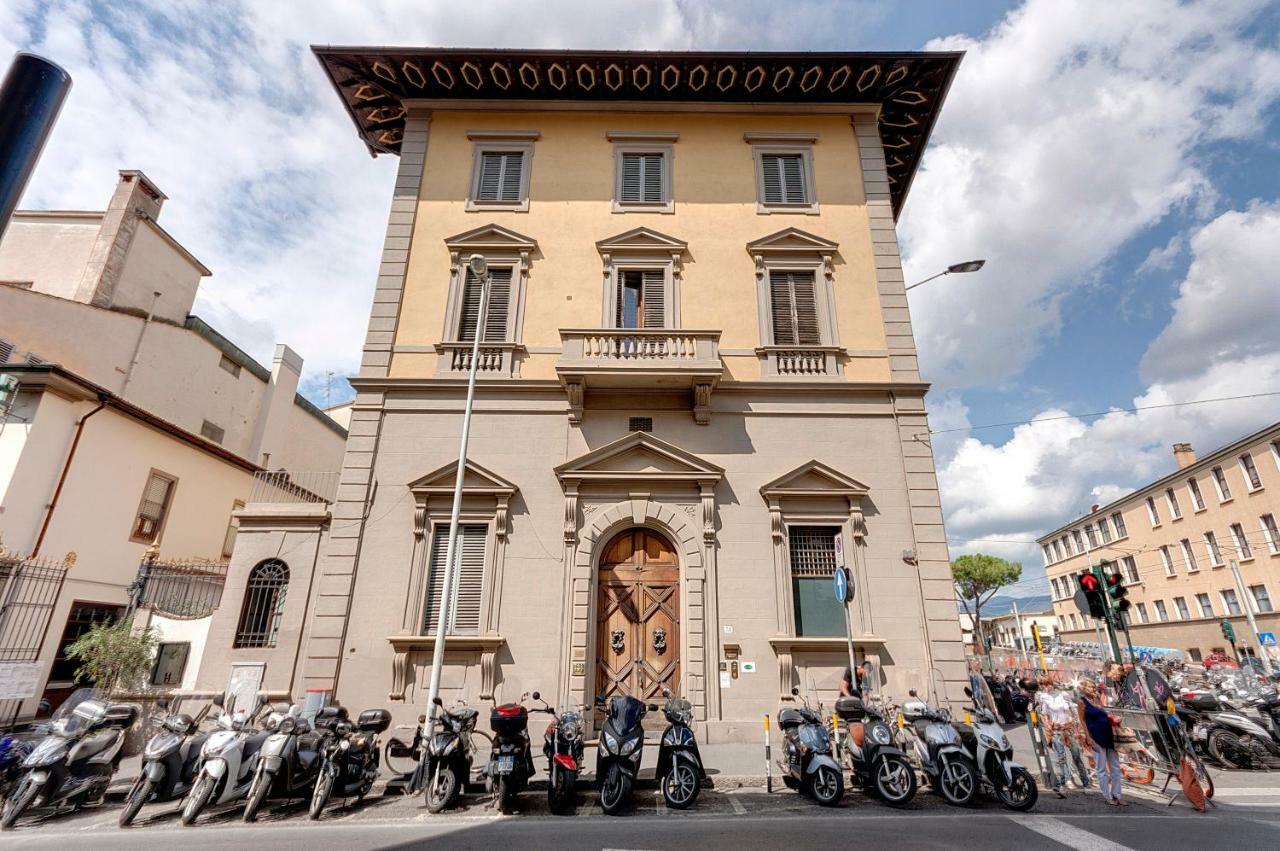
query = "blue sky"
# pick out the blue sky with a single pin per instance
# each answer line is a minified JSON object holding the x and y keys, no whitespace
{"x":1118,"y":165}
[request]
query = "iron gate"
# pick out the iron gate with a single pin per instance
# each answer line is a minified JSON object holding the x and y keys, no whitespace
{"x":29,"y":591}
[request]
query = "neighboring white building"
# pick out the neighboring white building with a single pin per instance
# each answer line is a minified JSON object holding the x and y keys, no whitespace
{"x":125,"y":422}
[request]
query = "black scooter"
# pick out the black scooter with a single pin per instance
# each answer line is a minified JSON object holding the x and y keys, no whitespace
{"x":170,"y":763}
{"x":809,"y":766}
{"x":288,"y":763}
{"x":680,"y":773}
{"x":619,"y":751}
{"x":562,"y":746}
{"x":446,"y":765}
{"x":877,"y":764}
{"x":511,"y":758}
{"x":349,"y":755}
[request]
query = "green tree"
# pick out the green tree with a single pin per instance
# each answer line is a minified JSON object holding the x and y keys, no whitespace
{"x":977,"y":578}
{"x":112,"y":657}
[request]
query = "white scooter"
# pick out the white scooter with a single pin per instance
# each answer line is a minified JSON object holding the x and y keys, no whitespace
{"x":989,"y":746}
{"x":230,"y":761}
{"x":946,"y":764}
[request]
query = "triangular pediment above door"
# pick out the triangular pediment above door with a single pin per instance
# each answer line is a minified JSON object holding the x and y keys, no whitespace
{"x":641,"y":240}
{"x":475,"y":480}
{"x":813,"y":478}
{"x":639,"y":457}
{"x":490,"y":237}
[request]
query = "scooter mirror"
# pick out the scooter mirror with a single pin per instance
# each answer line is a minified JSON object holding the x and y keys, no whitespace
{"x":912,"y":692}
{"x":219,"y":700}
{"x":537,"y":696}
{"x":968,"y":691}
{"x":437,"y":701}
{"x":795,"y":691}
{"x":666,"y":692}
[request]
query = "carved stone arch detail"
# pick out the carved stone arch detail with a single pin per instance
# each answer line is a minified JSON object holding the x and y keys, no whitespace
{"x":676,"y":525}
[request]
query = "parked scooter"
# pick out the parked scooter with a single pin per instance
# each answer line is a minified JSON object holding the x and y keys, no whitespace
{"x":809,"y":766}
{"x":288,"y":763}
{"x":447,"y":755}
{"x":562,"y":746}
{"x":1225,"y":735}
{"x":992,"y":753}
{"x":876,"y":763}
{"x":680,"y":773}
{"x":170,"y":762}
{"x":13,"y":750}
{"x":946,"y":763}
{"x":621,"y":746}
{"x":229,"y":761}
{"x":349,"y":754}
{"x":511,"y":759}
{"x":72,"y":765}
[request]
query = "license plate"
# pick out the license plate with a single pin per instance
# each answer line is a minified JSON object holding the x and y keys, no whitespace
{"x":506,"y":764}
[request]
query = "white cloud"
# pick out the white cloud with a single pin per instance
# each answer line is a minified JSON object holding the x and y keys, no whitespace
{"x":1070,"y":128}
{"x":1162,"y":258}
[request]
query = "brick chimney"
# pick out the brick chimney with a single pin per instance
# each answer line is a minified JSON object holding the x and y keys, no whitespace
{"x":1185,"y":455}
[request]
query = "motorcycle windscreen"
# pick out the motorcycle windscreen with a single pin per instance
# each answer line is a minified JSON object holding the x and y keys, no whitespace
{"x":627,"y":712}
{"x":982,"y":697}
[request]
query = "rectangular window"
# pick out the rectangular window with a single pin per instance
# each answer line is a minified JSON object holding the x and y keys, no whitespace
{"x":1250,"y":470}
{"x":500,"y":177}
{"x":1188,"y":556}
{"x":1211,"y":546}
{"x":1162,"y":614}
{"x":82,"y":617}
{"x":170,"y":664}
{"x":1066,"y":546}
{"x":6,"y":351}
{"x":1131,"y":570}
{"x":794,"y":305}
{"x":812,"y":554}
{"x":1057,"y":551}
{"x":1073,"y":621}
{"x":496,"y":326}
{"x":1142,"y":613}
{"x":1075,"y":535}
{"x":229,"y":539}
{"x":1194,"y":653}
{"x":1152,"y":513}
{"x":1230,"y":603}
{"x":1197,"y":498}
{"x":1270,"y":533}
{"x":641,"y":299}
{"x":1048,"y":554}
{"x":1205,"y":604}
{"x":1092,"y":534}
{"x":1241,"y":542}
{"x":229,"y":365}
{"x":157,"y":496}
{"x":34,"y":359}
{"x":1220,"y":484}
{"x":1118,"y":520}
{"x":784,"y":180}
{"x":212,"y":432}
{"x":1180,"y":603}
{"x":1104,"y":529}
{"x":1275,"y":452}
{"x":468,"y":578}
{"x":644,"y":180}
{"x":1175,"y":511}
{"x":1261,"y":599}
{"x":1167,"y":560}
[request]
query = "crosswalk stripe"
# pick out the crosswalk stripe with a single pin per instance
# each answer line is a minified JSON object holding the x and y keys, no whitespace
{"x":1245,"y":793}
{"x":1069,"y":835}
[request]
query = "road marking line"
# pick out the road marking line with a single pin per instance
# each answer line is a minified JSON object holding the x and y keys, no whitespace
{"x":737,"y":805}
{"x":1068,"y":835}
{"x":1243,"y":793}
{"x":1250,"y":803}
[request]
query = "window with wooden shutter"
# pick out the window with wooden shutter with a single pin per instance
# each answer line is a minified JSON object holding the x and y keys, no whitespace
{"x":642,"y":180}
{"x":6,"y":350}
{"x":642,"y":299}
{"x":497,"y":318}
{"x":793,"y":302}
{"x":501,"y":177}
{"x":468,"y":578}
{"x":782,"y":179}
{"x":156,"y":499}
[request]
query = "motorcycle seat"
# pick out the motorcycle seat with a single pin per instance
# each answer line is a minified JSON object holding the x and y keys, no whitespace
{"x":791,"y":718}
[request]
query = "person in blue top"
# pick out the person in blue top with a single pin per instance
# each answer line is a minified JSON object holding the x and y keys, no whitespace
{"x":1101,"y":738}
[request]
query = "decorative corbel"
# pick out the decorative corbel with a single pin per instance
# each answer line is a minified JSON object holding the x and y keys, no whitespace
{"x":760,"y":270}
{"x":828,"y":269}
{"x":399,"y":674}
{"x":702,"y":403}
{"x":454,"y":262}
{"x":500,"y":519}
{"x":776,"y":527}
{"x":488,"y":673}
{"x":419,"y":519}
{"x":786,"y":675}
{"x":576,"y":391}
{"x":675,"y":265}
{"x":571,"y":514}
{"x":707,"y":490}
{"x":857,"y":520}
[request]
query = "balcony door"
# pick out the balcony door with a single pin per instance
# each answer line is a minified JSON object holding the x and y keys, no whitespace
{"x":638,"y":617}
{"x":641,"y":298}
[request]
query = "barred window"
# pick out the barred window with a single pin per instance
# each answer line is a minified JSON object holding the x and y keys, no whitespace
{"x":812,"y":552}
{"x":157,"y":496}
{"x":263,"y":607}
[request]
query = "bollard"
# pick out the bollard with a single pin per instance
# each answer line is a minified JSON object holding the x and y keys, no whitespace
{"x":835,"y":736}
{"x":768,"y":758}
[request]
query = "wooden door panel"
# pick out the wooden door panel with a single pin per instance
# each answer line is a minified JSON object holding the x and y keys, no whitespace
{"x":639,"y":609}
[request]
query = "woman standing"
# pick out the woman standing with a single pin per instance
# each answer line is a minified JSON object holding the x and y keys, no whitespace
{"x":1101,"y":738}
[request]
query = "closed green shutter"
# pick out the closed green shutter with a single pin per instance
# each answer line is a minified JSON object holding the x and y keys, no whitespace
{"x":500,"y":176}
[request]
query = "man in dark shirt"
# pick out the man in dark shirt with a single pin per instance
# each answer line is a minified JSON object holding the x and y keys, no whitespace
{"x":846,"y":684}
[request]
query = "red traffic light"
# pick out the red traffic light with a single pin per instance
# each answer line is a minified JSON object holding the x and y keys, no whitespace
{"x":1114,"y":579}
{"x":1089,"y":582}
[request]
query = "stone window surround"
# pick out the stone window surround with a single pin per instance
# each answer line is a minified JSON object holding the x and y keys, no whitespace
{"x":487,"y":141}
{"x":656,"y":252}
{"x":154,"y":472}
{"x":817,"y":259}
{"x":644,"y":143}
{"x":784,"y":144}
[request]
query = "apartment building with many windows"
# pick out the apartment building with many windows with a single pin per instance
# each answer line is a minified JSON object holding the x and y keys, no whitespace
{"x":697,"y":379}
{"x":1172,"y":541}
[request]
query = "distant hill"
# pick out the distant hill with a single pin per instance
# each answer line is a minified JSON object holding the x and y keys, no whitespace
{"x":1001,"y":605}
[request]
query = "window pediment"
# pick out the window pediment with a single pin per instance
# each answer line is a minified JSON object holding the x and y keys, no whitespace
{"x":639,"y":456}
{"x":476,"y":481}
{"x":814,"y":479}
{"x":491,"y":237}
{"x":791,"y":242}
{"x":642,"y":241}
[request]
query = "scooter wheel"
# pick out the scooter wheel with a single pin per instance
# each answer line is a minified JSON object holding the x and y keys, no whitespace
{"x":320,"y":797}
{"x":826,"y":785}
{"x":681,"y":786}
{"x":442,"y":786}
{"x":615,"y":790}
{"x":895,"y":782}
{"x":958,"y":782}
{"x":560,"y":793}
{"x":1020,"y":793}
{"x":138,"y":796}
{"x":18,"y":803}
{"x":257,"y":796}
{"x":197,"y":799}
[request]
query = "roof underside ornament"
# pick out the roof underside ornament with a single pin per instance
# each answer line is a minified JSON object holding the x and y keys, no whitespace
{"x":908,"y":88}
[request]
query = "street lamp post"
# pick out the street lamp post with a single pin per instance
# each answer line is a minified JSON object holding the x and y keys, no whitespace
{"x":480,"y":269}
{"x":954,"y":269}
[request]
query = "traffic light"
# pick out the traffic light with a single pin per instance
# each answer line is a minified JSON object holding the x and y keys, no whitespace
{"x":1228,"y":631}
{"x":1093,"y":592}
{"x":1115,"y":588}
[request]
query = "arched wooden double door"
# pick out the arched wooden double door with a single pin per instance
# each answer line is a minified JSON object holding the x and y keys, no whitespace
{"x":638,"y":616}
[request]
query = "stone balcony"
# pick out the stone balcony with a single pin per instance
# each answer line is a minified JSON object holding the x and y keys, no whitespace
{"x":640,"y":359}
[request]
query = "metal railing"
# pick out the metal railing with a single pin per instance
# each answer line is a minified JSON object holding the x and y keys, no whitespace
{"x":283,"y":487}
{"x":29,"y":590}
{"x":185,"y":590}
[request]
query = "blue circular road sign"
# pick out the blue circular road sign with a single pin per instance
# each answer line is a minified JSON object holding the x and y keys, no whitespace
{"x":841,"y":581}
